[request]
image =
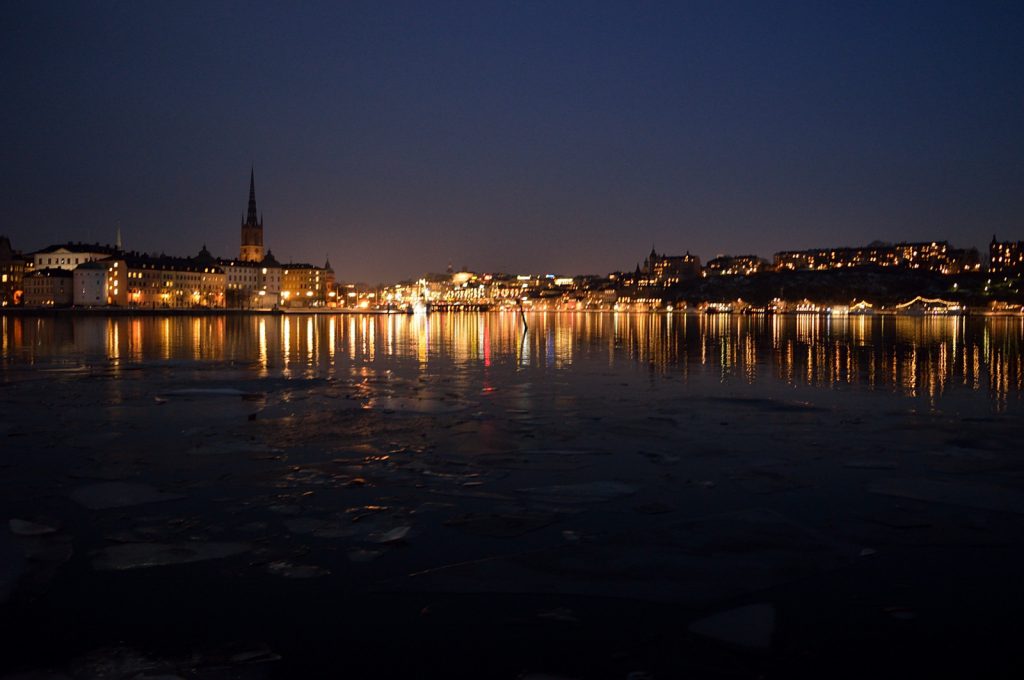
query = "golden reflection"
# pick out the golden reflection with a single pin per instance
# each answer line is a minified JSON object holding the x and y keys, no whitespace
{"x":524,"y":350}
{"x":563,"y":340}
{"x":331,"y":332}
{"x":422,"y":328}
{"x":113,"y":340}
{"x":262,"y":356}
{"x":197,"y":331}
{"x":389,"y":336}
{"x":927,"y":357}
{"x":166,"y":341}
{"x":135,"y":340}
{"x":286,"y":344}
{"x":310,"y":354}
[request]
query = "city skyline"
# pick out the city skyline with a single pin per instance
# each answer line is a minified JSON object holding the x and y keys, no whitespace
{"x":252,"y":249}
{"x":396,"y":139}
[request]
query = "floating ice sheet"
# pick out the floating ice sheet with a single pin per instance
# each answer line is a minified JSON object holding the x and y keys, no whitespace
{"x":414,"y":405}
{"x":11,"y":564}
{"x":142,"y":555}
{"x":697,"y":561}
{"x":968,"y":494}
{"x":119,"y":495}
{"x":584,"y":492}
{"x":750,"y":626}
{"x":23,"y":527}
{"x":297,"y":571}
{"x":502,"y":525}
{"x":212,"y":392}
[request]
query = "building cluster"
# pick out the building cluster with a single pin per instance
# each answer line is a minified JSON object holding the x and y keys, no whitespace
{"x":1006,"y":257}
{"x":934,"y":256}
{"x":472,"y":290}
{"x":646,"y":285}
{"x":94,"y":275}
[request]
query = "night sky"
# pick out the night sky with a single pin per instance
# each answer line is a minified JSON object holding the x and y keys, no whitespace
{"x":520,"y":137}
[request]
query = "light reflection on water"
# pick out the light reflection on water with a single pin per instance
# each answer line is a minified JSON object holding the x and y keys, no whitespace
{"x":918,"y":357}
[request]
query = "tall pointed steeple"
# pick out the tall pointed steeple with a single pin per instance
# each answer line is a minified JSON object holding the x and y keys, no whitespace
{"x":252,"y":228}
{"x":251,"y":217}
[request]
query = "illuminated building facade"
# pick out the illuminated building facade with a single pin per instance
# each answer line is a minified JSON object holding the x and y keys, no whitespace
{"x":734,"y":265}
{"x":1006,"y":256}
{"x":12,"y":271}
{"x":668,"y":270}
{"x":935,"y":256}
{"x":269,"y":292}
{"x":306,"y":285}
{"x":48,"y":288}
{"x":248,"y":285}
{"x":174,"y":282}
{"x":70,"y":255}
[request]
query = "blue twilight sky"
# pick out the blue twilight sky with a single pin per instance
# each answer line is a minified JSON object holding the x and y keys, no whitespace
{"x":515,"y":136}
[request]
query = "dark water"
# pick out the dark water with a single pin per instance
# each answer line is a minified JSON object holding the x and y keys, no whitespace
{"x":444,"y":495}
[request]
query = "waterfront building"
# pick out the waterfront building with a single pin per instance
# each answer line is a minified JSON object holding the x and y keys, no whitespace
{"x":254,"y":279}
{"x":138,"y":280}
{"x":12,"y":271}
{"x":70,"y":255}
{"x":306,"y":285}
{"x":668,"y":270}
{"x":89,"y":282}
{"x":734,"y":265}
{"x":248,"y":285}
{"x":356,"y":295}
{"x":269,"y":292}
{"x":1006,"y":256}
{"x":935,"y":256}
{"x":49,"y":288}
{"x":167,"y":282}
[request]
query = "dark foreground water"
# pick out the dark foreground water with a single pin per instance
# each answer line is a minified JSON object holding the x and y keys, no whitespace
{"x":609,"y":496}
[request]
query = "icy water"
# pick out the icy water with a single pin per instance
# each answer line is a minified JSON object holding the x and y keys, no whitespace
{"x":446,"y":495}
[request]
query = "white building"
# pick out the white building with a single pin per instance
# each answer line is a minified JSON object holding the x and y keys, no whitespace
{"x":90,"y":284}
{"x":70,"y":255}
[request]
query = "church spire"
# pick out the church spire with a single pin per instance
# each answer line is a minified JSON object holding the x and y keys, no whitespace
{"x":251,"y":217}
{"x":252,"y":227}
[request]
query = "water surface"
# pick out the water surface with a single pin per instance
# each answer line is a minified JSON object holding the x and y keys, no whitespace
{"x":406,"y":490}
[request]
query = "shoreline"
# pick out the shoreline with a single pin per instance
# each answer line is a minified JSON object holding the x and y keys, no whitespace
{"x":125,"y":312}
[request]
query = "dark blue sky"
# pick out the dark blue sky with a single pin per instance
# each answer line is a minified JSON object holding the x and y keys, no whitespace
{"x":567,"y":137}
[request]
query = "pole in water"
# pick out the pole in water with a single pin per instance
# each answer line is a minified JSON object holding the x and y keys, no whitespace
{"x":522,"y":315}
